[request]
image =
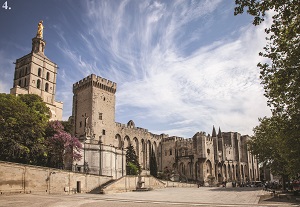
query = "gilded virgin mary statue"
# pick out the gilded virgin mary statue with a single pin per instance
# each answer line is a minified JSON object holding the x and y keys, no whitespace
{"x":40,"y":29}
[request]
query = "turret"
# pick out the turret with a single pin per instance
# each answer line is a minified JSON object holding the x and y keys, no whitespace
{"x":219,"y":133}
{"x":214,"y":134}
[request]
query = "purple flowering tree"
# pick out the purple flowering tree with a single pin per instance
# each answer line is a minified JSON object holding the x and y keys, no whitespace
{"x":63,"y":148}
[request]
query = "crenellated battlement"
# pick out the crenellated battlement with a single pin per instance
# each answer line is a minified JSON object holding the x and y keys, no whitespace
{"x":159,"y":136}
{"x":173,"y":139}
{"x":124,"y":126}
{"x":131,"y":126}
{"x":95,"y":81}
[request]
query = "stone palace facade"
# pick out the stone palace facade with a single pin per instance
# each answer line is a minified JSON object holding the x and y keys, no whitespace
{"x":222,"y":156}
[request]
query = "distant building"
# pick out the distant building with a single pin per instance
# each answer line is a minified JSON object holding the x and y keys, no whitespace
{"x":36,"y":74}
{"x":222,"y":156}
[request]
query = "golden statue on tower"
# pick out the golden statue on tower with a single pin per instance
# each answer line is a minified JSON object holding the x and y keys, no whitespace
{"x":39,"y":33}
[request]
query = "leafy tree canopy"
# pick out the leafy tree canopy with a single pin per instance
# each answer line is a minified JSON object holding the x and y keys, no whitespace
{"x":281,"y":78}
{"x":23,"y":120}
{"x":277,"y":139}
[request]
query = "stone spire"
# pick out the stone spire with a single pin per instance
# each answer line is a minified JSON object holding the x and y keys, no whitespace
{"x":214,"y":134}
{"x":219,"y":133}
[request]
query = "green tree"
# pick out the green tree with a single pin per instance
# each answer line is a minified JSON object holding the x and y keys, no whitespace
{"x":22,"y":124}
{"x":132,"y":164}
{"x":268,"y":144}
{"x":153,"y":164}
{"x":280,"y":75}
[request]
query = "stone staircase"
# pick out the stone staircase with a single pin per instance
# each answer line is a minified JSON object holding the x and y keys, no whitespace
{"x":131,"y":183}
{"x":99,"y":189}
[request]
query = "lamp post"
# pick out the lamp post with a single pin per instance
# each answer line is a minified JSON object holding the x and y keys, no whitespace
{"x":100,"y":155}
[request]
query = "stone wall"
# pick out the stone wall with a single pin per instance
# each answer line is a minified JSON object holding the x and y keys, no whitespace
{"x":19,"y":178}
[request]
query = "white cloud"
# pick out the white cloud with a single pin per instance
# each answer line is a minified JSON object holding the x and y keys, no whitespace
{"x":142,"y":48}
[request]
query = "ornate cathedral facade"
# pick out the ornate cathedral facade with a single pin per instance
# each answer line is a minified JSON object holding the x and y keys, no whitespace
{"x":220,"y":156}
{"x":36,"y":74}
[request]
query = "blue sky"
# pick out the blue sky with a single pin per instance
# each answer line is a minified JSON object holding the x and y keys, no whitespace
{"x":181,"y":66}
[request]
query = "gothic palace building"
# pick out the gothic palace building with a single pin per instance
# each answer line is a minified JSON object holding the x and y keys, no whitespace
{"x":222,"y":155}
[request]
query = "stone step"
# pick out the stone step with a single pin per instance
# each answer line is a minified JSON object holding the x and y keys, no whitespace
{"x":142,"y":189}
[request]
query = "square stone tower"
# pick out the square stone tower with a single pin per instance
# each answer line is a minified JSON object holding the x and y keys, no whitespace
{"x":36,"y":74}
{"x":94,"y":125}
{"x":94,"y":109}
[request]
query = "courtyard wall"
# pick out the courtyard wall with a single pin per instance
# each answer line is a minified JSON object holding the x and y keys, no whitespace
{"x":20,"y":178}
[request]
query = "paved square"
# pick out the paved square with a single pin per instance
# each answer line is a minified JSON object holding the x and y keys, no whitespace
{"x":161,"y":197}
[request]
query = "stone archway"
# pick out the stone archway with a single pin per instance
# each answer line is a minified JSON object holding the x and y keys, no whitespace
{"x":148,"y":151}
{"x":229,"y":173}
{"x":220,"y":173}
{"x":197,"y":171}
{"x":126,"y":141}
{"x":209,"y":176}
{"x":119,"y":141}
{"x":225,"y":176}
{"x":143,"y":152}
{"x":136,"y":146}
{"x":242,"y":174}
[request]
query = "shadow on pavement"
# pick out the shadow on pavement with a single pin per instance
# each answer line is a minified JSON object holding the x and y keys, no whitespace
{"x":238,"y":189}
{"x":281,"y":198}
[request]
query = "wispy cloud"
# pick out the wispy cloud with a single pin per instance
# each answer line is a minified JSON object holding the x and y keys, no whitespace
{"x":169,"y":72}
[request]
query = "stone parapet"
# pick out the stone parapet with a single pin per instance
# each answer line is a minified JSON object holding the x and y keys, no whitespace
{"x":96,"y":81}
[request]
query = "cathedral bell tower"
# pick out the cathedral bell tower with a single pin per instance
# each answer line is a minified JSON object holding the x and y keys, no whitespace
{"x":36,"y":74}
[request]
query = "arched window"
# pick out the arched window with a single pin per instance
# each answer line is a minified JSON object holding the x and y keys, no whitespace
{"x":46,"y":87}
{"x":26,"y":70}
{"x":38,"y":83}
{"x":48,"y":76}
{"x":39,"y":72}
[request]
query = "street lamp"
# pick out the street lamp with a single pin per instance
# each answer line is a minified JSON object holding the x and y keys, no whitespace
{"x":100,"y":155}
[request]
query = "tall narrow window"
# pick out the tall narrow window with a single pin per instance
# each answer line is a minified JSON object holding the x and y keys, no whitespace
{"x":26,"y":70}
{"x":39,"y":72}
{"x":46,"y":87}
{"x":20,"y":83}
{"x":100,"y":116}
{"x":48,"y":76}
{"x":38,"y":83}
{"x":103,"y":132}
{"x":80,"y":124}
{"x":25,"y":82}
